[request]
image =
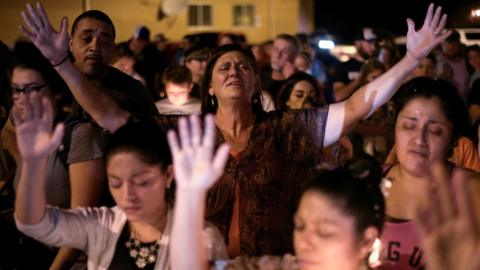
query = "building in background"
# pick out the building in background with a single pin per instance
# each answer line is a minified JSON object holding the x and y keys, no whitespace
{"x":258,"y":20}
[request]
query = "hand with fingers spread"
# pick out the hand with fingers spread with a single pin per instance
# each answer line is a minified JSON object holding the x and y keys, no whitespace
{"x":196,"y":168}
{"x":421,"y":42}
{"x":34,"y":134}
{"x":52,"y":44}
{"x":195,"y":165}
{"x":450,"y":231}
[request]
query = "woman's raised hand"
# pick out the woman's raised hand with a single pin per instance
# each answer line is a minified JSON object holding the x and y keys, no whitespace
{"x":421,"y":42}
{"x":450,"y":231}
{"x":52,"y":44}
{"x":196,"y":165}
{"x":34,"y":134}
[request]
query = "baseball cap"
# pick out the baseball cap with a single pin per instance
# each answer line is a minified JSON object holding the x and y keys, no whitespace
{"x":198,"y":52}
{"x":366,"y":34}
{"x":142,"y":32}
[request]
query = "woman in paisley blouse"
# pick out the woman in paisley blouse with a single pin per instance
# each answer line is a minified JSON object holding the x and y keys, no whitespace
{"x":339,"y":217}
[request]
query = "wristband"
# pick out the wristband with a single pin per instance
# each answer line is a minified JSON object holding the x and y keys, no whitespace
{"x":63,"y":61}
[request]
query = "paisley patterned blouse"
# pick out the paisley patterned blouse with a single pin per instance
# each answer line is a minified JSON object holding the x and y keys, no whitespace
{"x":284,"y":148}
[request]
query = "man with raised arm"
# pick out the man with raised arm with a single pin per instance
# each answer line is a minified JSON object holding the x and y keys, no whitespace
{"x":90,"y":49}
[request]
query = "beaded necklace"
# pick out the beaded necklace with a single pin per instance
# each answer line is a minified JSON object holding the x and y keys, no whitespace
{"x":143,"y":253}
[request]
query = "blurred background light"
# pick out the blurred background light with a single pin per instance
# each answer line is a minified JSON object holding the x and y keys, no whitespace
{"x":326,"y":44}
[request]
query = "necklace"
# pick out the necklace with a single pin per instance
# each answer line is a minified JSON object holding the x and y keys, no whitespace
{"x":143,"y":254}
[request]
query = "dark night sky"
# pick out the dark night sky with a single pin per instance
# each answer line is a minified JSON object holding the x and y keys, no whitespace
{"x":340,"y":17}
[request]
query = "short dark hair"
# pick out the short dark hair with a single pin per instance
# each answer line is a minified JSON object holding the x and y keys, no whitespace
{"x":355,"y":188}
{"x":96,"y":15}
{"x":121,"y":51}
{"x":292,"y":40}
{"x":471,"y":48}
{"x":176,"y":74}
{"x":447,"y":95}
{"x":210,"y":103}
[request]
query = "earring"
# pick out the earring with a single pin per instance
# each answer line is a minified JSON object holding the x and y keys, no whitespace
{"x":256,"y":98}
{"x":212,"y":101}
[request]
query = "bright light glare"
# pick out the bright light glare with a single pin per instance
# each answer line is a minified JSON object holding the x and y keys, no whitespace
{"x":326,"y":44}
{"x":476,"y":13}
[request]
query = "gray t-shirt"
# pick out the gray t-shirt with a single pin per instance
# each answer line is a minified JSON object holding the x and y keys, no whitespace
{"x":86,"y":143}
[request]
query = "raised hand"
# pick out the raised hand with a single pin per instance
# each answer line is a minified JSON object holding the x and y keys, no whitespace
{"x":195,"y":165}
{"x":421,"y":42}
{"x":450,"y":232}
{"x":34,"y":131}
{"x":52,"y":44}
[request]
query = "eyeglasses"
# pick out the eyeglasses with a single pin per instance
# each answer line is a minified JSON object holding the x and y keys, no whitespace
{"x":29,"y":89}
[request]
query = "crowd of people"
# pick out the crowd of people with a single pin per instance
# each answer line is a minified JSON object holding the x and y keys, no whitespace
{"x":131,"y":156}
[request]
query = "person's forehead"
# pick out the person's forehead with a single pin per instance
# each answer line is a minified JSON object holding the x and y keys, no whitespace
{"x":235,"y":56}
{"x":282,"y":43}
{"x":304,"y":85}
{"x":424,"y":107}
{"x":321,"y":208}
{"x":86,"y":25}
{"x":170,"y":85}
{"x":25,"y":74}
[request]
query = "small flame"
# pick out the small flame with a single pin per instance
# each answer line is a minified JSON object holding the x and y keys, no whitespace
{"x":374,"y":260}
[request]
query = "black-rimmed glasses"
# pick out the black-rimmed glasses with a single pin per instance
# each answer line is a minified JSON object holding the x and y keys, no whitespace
{"x":28,"y":89}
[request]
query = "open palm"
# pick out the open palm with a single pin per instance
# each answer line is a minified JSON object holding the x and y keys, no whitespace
{"x":52,"y":44}
{"x":34,"y":131}
{"x":421,"y":42}
{"x":195,"y":165}
{"x":450,"y":231}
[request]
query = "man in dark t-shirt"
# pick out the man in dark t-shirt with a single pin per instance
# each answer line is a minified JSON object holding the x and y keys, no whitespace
{"x":345,"y":80}
{"x":285,"y":48}
{"x":92,"y":45}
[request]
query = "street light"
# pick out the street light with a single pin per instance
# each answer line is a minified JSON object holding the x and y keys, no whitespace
{"x":475,"y":13}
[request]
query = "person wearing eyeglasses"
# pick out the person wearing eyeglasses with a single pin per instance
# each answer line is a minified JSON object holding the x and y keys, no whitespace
{"x":75,"y":171}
